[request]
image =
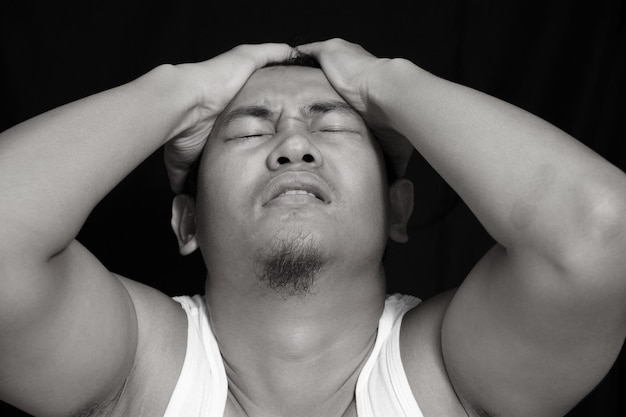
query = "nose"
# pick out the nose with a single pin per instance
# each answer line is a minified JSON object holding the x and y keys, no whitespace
{"x":294,"y":148}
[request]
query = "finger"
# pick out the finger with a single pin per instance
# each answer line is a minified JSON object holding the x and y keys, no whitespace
{"x":317,"y":49}
{"x":178,"y":161}
{"x":335,"y":44}
{"x":266,"y":53}
{"x":401,"y":163}
{"x":314,"y":48}
{"x":177,"y":178}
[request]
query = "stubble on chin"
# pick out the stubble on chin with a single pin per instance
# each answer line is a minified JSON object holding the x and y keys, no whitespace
{"x":291,"y":263}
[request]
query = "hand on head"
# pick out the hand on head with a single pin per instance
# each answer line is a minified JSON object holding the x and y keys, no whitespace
{"x":355,"y":74}
{"x":350,"y":69}
{"x":215,"y":83}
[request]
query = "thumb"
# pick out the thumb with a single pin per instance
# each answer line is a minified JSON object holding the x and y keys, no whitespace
{"x":314,"y":49}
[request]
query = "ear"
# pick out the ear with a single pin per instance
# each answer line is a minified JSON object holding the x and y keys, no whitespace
{"x":400,"y":209}
{"x":184,"y":223}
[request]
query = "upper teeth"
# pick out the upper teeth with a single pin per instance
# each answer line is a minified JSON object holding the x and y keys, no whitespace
{"x":298,"y":192}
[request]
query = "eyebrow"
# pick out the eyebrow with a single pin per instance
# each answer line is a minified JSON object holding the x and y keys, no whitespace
{"x":329,"y":106}
{"x":262,"y":112}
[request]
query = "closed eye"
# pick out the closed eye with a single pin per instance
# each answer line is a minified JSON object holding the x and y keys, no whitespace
{"x":338,"y":129}
{"x":249,"y":136}
{"x":255,"y":135}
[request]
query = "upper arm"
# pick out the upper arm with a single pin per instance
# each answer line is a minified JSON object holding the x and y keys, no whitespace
{"x":68,"y":333}
{"x":523,"y":336}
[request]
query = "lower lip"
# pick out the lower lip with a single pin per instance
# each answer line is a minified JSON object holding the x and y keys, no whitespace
{"x":293,"y":200}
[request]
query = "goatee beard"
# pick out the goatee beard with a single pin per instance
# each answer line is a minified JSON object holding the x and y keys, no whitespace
{"x":291,"y":263}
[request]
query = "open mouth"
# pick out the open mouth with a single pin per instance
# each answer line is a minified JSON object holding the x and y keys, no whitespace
{"x":297,"y":193}
{"x":296,"y":188}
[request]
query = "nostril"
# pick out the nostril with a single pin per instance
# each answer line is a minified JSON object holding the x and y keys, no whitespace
{"x":283,"y":160}
{"x":308,"y":158}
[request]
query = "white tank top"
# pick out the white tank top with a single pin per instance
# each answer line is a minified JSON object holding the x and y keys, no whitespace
{"x":382,"y":388}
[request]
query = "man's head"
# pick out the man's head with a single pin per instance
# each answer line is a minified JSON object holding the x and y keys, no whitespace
{"x":292,"y":183}
{"x":298,"y":59}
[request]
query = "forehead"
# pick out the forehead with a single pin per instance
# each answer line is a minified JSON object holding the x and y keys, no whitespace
{"x":285,"y":87}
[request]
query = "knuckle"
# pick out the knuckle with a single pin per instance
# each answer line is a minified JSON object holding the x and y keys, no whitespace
{"x":338,"y":42}
{"x":243,"y":50}
{"x":335,"y":42}
{"x":242,"y":47}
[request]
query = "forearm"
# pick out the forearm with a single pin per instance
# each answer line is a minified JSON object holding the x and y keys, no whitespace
{"x":56,"y":167}
{"x":529,"y":183}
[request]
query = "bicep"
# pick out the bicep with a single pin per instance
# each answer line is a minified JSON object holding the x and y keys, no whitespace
{"x":520,"y":338}
{"x":69,"y":334}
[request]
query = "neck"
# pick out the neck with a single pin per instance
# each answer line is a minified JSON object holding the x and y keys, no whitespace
{"x":298,"y":355}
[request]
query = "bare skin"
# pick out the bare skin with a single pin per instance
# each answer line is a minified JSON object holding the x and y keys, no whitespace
{"x":531,"y":330}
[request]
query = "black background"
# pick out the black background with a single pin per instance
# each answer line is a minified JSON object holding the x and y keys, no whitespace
{"x":564,"y":61}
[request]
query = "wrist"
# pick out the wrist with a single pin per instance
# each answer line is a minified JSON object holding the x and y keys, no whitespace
{"x":169,"y":96}
{"x":388,"y":85}
{"x":394,"y":92}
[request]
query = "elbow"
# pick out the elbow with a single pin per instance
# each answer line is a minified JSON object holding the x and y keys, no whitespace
{"x":598,"y":246}
{"x":605,"y":224}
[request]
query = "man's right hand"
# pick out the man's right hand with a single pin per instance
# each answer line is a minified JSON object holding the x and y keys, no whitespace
{"x":215,"y":83}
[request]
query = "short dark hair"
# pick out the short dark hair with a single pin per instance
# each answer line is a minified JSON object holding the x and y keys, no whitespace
{"x":300,"y":59}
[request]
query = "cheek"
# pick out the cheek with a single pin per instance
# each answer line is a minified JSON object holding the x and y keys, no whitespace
{"x":368,"y":186}
{"x":369,"y":168}
{"x":216,"y":186}
{"x":225,"y":185}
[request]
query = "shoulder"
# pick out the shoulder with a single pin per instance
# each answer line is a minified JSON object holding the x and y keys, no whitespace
{"x":161,"y":346}
{"x":420,"y":348}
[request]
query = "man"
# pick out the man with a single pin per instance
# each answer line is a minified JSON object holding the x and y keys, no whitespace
{"x":292,"y":212}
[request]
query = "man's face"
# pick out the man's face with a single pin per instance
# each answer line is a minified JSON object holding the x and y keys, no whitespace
{"x":289,"y":159}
